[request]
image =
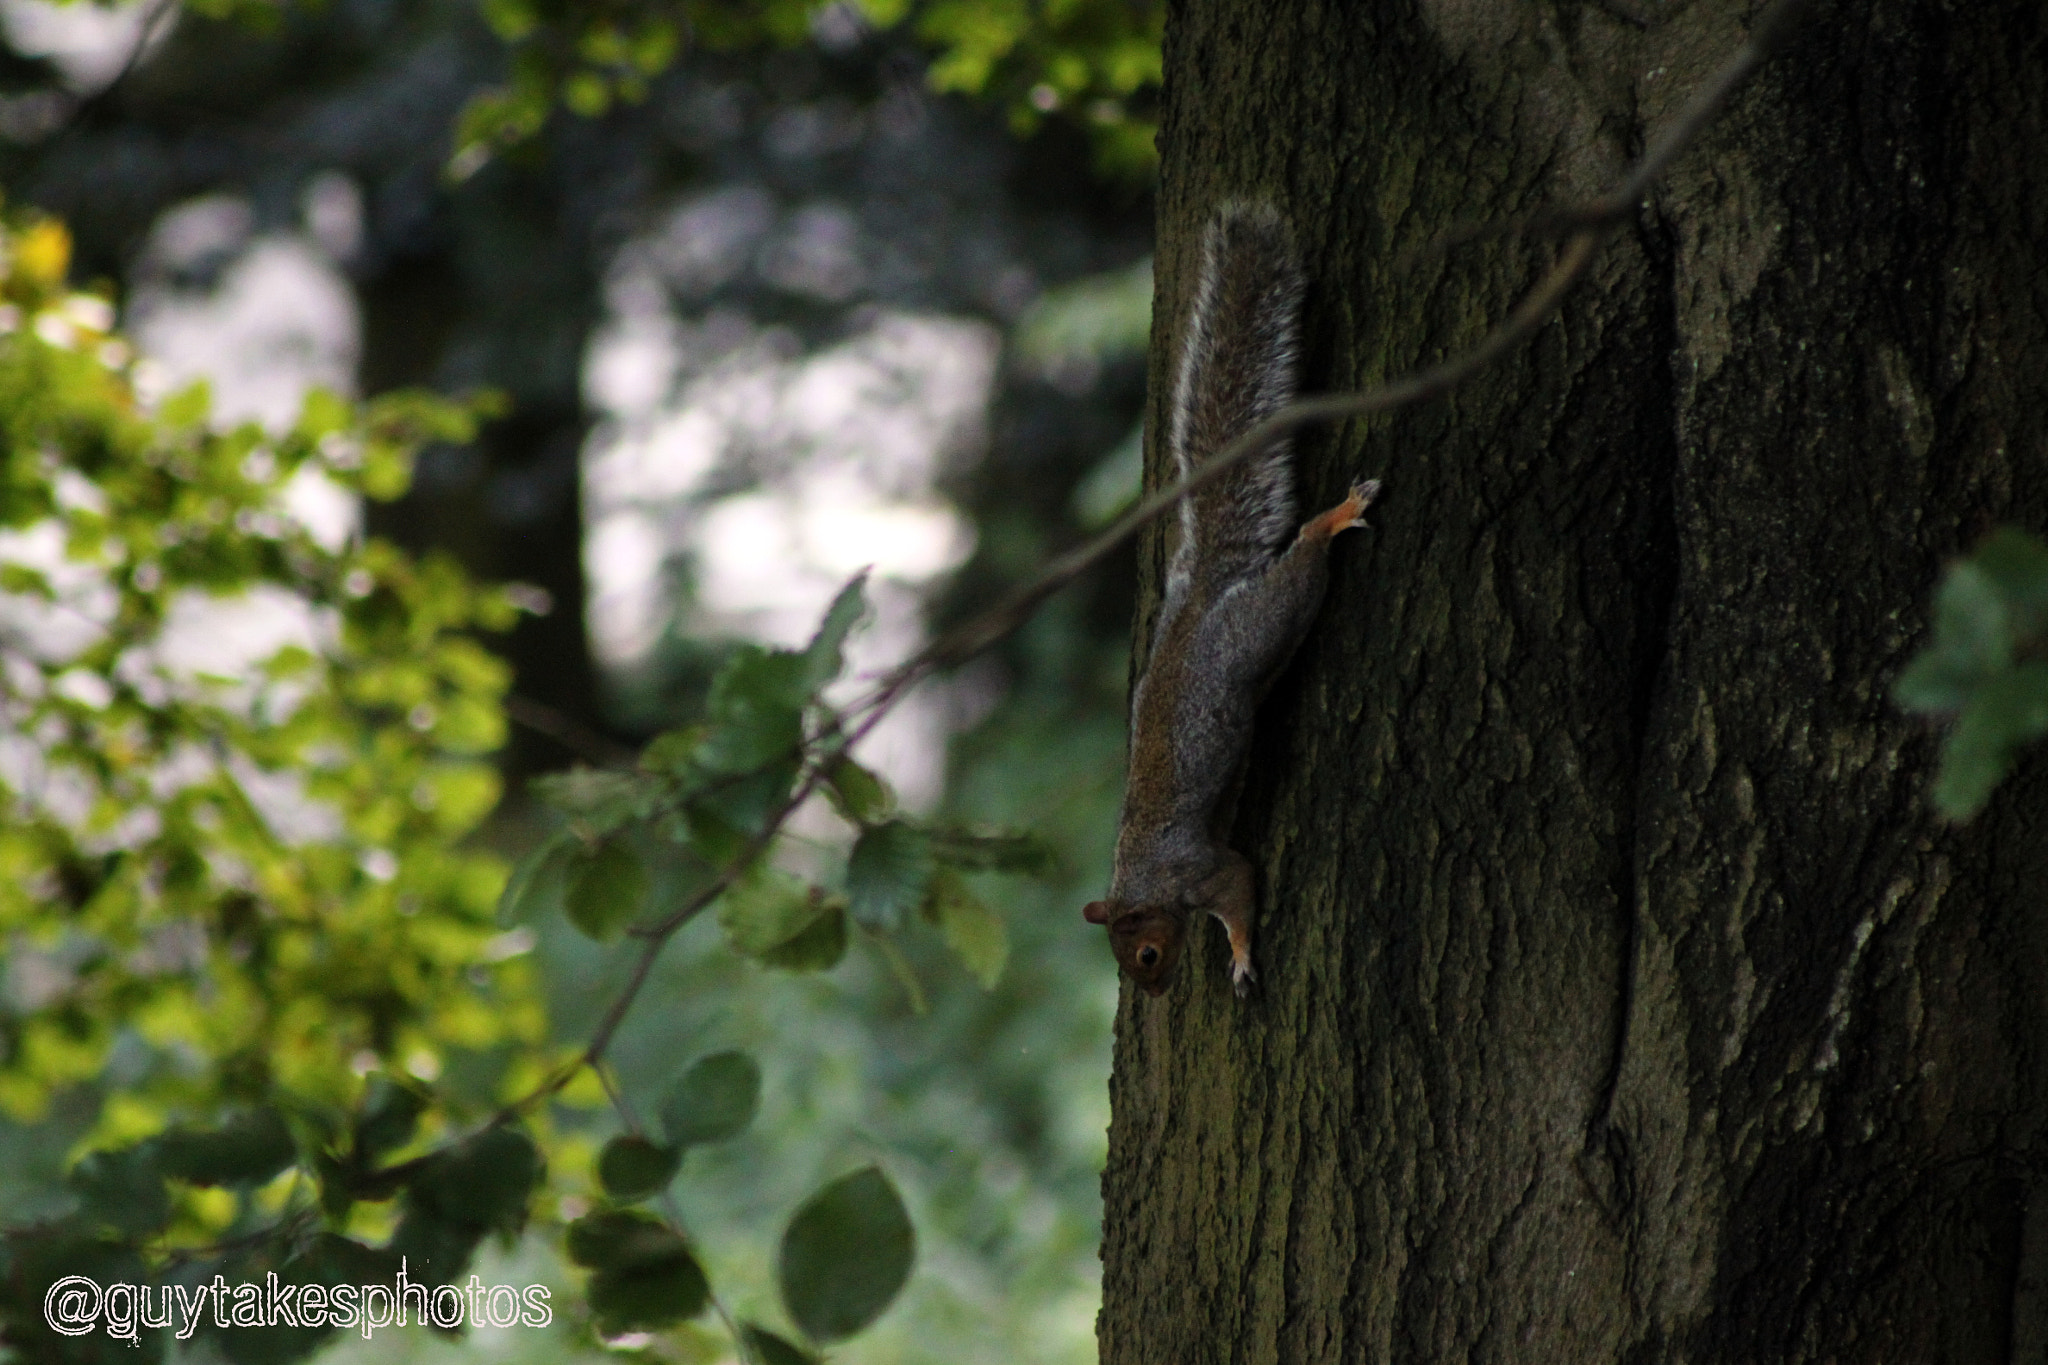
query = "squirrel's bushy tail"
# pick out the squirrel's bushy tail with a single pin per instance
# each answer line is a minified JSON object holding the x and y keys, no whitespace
{"x":1238,"y":359}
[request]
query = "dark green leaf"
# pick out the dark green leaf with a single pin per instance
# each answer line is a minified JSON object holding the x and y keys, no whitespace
{"x":434,"y":1249}
{"x":887,"y":874}
{"x":824,"y":656}
{"x":727,"y":814}
{"x":248,"y":1150}
{"x":860,"y":796}
{"x":124,"y":1187}
{"x":2007,"y":712}
{"x":847,"y":1252}
{"x":391,"y":1113}
{"x":607,"y":889}
{"x":770,"y":1349}
{"x":649,"y":1296}
{"x":632,"y":1167}
{"x":618,"y":1239}
{"x":755,"y":711}
{"x":713,"y":1100}
{"x":816,"y":949}
{"x":481,"y":1182}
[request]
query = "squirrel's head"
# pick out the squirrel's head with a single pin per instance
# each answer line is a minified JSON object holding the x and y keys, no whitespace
{"x":1145,"y":938}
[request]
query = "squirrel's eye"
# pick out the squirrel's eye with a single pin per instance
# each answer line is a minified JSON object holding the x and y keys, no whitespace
{"x":1147,"y":956}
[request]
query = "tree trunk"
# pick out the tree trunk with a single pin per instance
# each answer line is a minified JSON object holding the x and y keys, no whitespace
{"x":1622,"y":999}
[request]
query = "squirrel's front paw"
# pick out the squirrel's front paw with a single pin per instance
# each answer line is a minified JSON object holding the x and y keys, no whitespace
{"x":1241,"y":978}
{"x":1362,"y":494}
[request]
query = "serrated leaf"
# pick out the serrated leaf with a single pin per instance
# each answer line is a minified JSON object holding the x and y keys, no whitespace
{"x":123,"y":1187}
{"x":887,"y":874}
{"x":825,"y":655}
{"x":771,"y":1349}
{"x":974,"y":932}
{"x":846,"y":1254}
{"x":755,"y":713}
{"x":247,"y":1150}
{"x":2007,"y":712}
{"x":607,"y":889}
{"x":857,"y":793}
{"x":817,"y":949}
{"x":713,"y":1100}
{"x":632,"y":1168}
{"x":766,"y":909}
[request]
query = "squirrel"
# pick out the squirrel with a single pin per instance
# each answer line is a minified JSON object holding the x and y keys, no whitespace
{"x":1240,"y":595}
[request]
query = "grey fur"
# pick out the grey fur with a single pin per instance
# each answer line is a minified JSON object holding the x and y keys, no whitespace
{"x":1239,"y":355}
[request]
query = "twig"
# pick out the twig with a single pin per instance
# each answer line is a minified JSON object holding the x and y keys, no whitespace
{"x":569,"y":732}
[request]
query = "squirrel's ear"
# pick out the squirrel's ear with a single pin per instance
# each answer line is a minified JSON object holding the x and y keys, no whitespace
{"x":1096,"y":912}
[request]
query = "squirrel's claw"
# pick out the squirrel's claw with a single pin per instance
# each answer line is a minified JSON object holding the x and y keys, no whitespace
{"x":1241,"y":978}
{"x":1361,"y":496}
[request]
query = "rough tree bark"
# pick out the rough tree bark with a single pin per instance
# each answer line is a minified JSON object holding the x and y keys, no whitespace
{"x":1622,"y":998}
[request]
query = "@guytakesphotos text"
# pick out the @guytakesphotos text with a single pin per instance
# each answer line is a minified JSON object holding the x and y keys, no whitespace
{"x":77,"y":1305}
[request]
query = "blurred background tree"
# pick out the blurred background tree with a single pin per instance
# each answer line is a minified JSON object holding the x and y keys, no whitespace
{"x":767,"y":304}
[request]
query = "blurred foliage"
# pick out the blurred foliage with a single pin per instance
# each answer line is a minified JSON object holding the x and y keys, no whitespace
{"x":1984,"y":667}
{"x":287,"y":996}
{"x":988,"y":1109}
{"x":1095,"y":59}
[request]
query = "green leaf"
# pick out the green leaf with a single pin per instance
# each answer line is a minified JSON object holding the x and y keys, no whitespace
{"x":771,"y":1349}
{"x":123,"y":1187}
{"x":648,"y":1297}
{"x":599,"y":800}
{"x":613,"y":1239}
{"x":825,"y":655}
{"x":2009,"y":711}
{"x":537,"y":883}
{"x":248,"y":1150}
{"x":816,"y":949}
{"x":992,"y":852}
{"x":887,"y":873}
{"x":482,"y":1182}
{"x":607,"y":889}
{"x":845,"y":1256}
{"x":713,"y":1100}
{"x":645,"y":1276}
{"x":766,"y":909}
{"x":755,"y":714}
{"x":391,"y":1113}
{"x":859,"y":794}
{"x":2017,"y":565}
{"x":632,"y":1168}
{"x":973,"y":931}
